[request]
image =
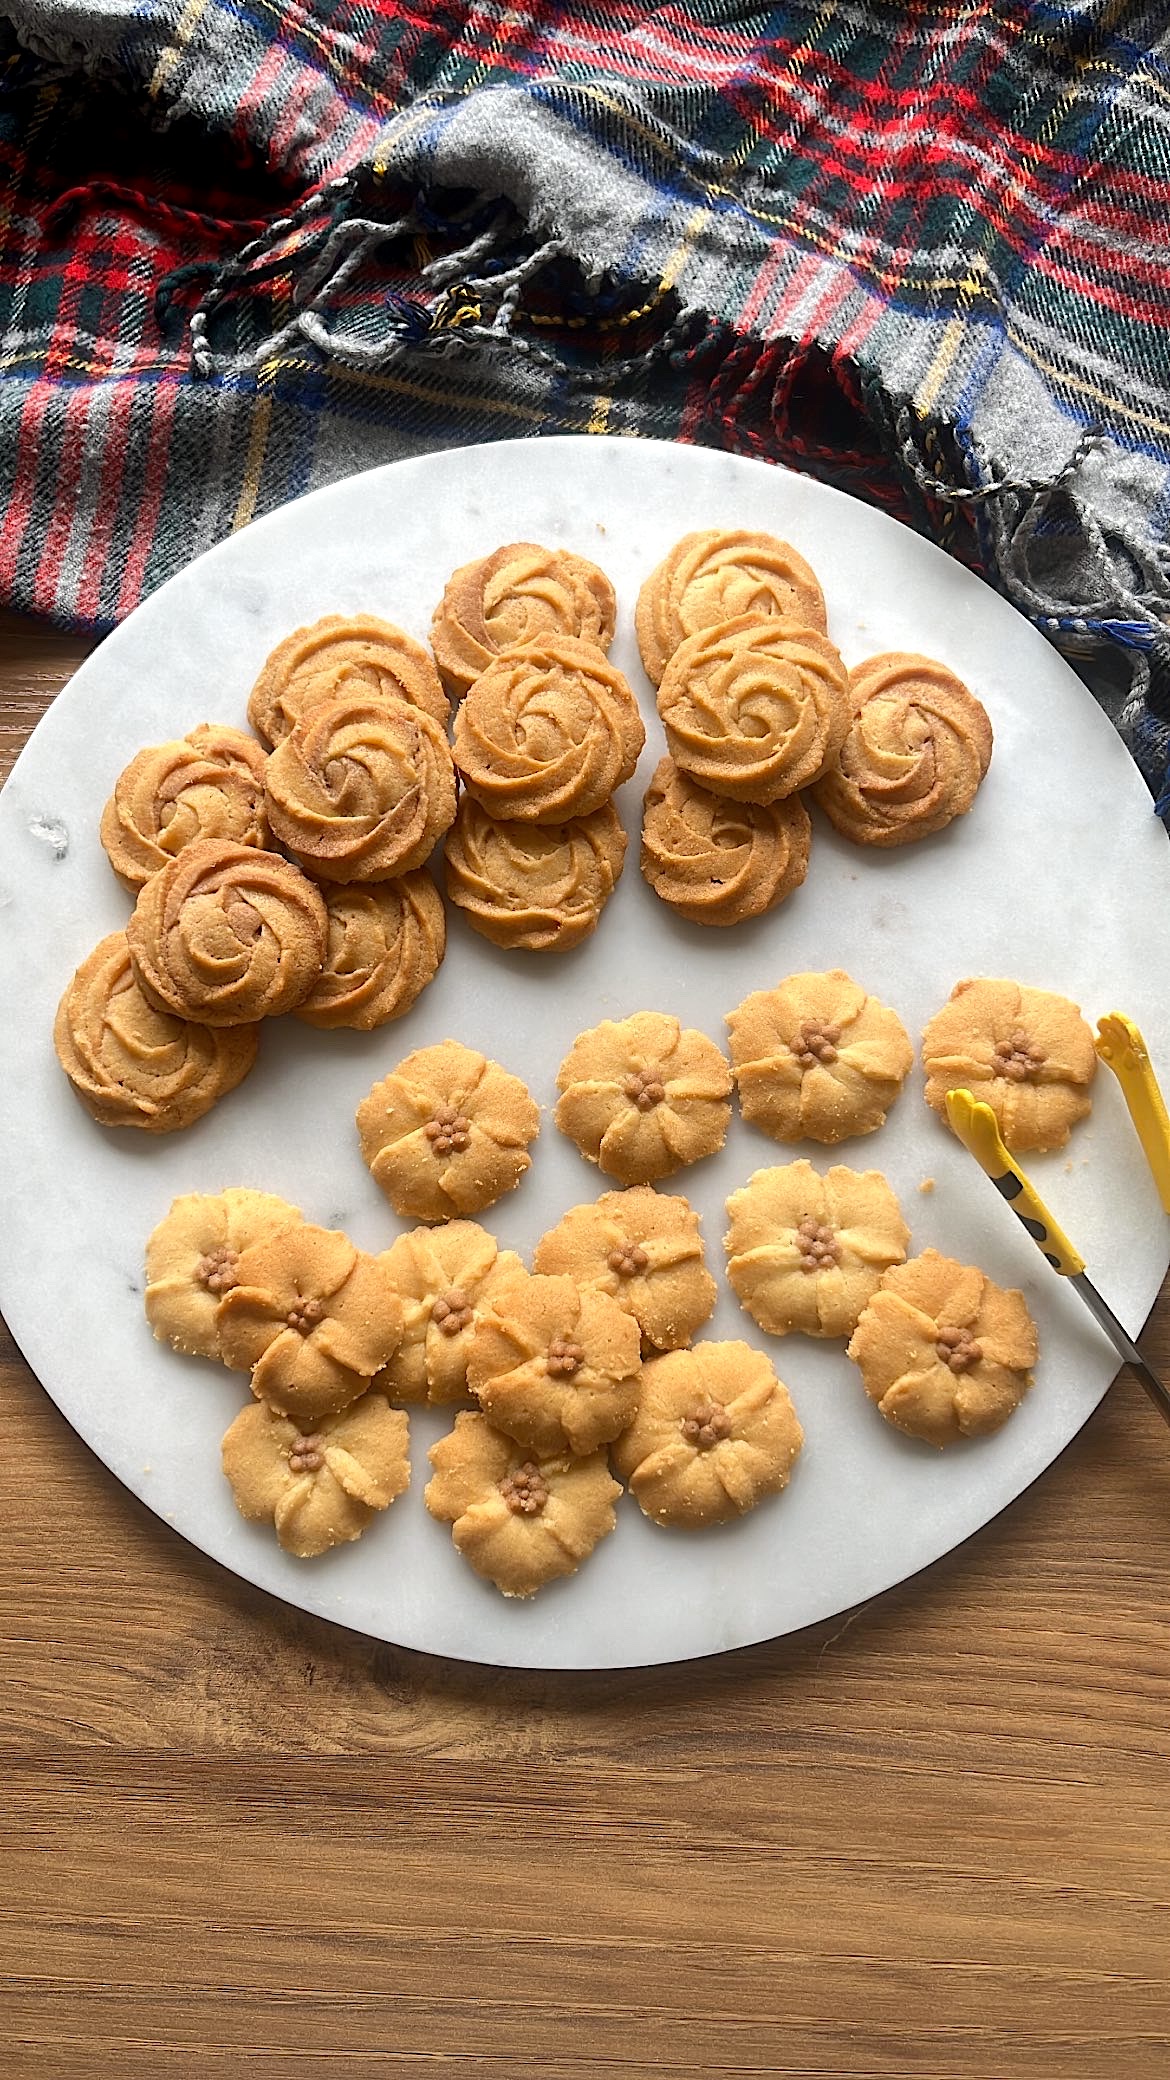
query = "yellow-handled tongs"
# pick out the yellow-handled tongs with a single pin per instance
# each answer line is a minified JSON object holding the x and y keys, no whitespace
{"x":1120,"y":1044}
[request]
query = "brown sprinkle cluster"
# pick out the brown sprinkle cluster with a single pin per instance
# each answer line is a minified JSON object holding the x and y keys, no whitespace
{"x":816,"y":1041}
{"x":645,"y":1088}
{"x":452,"y":1311}
{"x":628,"y":1259}
{"x":448,"y":1131}
{"x":1017,"y":1058}
{"x":304,"y":1316}
{"x":707,"y":1424}
{"x":818,"y":1245}
{"x":957,"y":1348}
{"x":217,"y":1270}
{"x":564,"y":1357}
{"x":306,"y":1454}
{"x":525,"y":1490}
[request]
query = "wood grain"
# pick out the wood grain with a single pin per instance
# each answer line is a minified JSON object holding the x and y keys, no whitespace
{"x":928,"y":1839}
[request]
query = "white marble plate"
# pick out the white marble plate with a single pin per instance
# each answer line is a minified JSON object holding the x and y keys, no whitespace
{"x":1060,"y":876}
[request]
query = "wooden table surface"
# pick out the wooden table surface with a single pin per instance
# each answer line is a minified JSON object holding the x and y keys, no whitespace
{"x":929,"y":1839}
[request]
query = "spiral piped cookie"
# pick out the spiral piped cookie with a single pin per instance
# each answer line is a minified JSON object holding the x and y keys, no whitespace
{"x":717,"y":575}
{"x":352,"y":654}
{"x":361,"y":789}
{"x":227,"y":935}
{"x":755,"y":709}
{"x":520,"y":594}
{"x":918,"y":746}
{"x":386,"y":940}
{"x":540,"y":886}
{"x":548,"y":732}
{"x":716,"y":861}
{"x":209,"y":784}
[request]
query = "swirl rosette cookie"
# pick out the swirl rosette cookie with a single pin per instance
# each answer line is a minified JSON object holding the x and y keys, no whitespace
{"x":1027,"y":1053}
{"x":643,"y":1249}
{"x":718,"y":575}
{"x":361,"y":789}
{"x":133,"y":1065}
{"x":805,"y":1251}
{"x":917,"y":749}
{"x":321,"y":1488}
{"x":643,"y":1096}
{"x":817,"y":1058}
{"x":227,"y":935}
{"x":209,"y":784}
{"x":443,"y":1276}
{"x":716,"y":861}
{"x":714,"y":1433}
{"x":555,"y":1367}
{"x":352,"y":654}
{"x":385,"y":942}
{"x":539,"y":886}
{"x":943,"y":1350}
{"x":519,"y":1521}
{"x":311,"y":1317}
{"x":755,"y":709}
{"x":193,"y":1258}
{"x":547,"y":732}
{"x":447,"y":1132}
{"x":520,"y":594}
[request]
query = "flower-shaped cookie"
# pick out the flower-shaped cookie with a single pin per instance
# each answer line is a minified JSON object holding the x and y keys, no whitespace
{"x":386,"y":941}
{"x":133,"y":1065}
{"x":353,"y":654}
{"x":1025,"y":1052}
{"x":540,"y":886}
{"x":361,"y":789}
{"x":322,"y":1487}
{"x":715,"y":1433}
{"x":806,"y":1251}
{"x":643,"y":1096}
{"x":555,"y":1367}
{"x":816,"y":1059}
{"x":227,"y":935}
{"x":311,"y":1317}
{"x":644,"y":1249}
{"x":520,"y":594}
{"x":443,"y":1276}
{"x":755,"y":709}
{"x":192,"y":1260}
{"x":209,"y":784}
{"x":447,"y":1132}
{"x":520,"y":1522}
{"x":548,"y":732}
{"x":918,"y":746}
{"x":717,"y":861}
{"x":717,"y":575}
{"x":943,"y":1351}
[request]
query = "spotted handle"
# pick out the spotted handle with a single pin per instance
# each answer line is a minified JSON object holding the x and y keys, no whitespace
{"x":1120,"y":1044}
{"x":978,"y":1130}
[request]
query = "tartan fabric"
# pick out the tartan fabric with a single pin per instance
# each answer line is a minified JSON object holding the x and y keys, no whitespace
{"x":919,"y":249}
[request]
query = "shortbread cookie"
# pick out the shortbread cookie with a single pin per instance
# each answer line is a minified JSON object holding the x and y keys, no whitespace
{"x":540,"y":886}
{"x":548,"y":732}
{"x":715,"y":1432}
{"x":209,"y":784}
{"x":361,"y":789}
{"x":519,"y":1521}
{"x":806,"y":1251}
{"x":717,"y":575}
{"x":447,"y":1132}
{"x":133,"y":1065}
{"x":352,"y":654}
{"x":816,"y":1059}
{"x":755,"y":709}
{"x":555,"y":1367}
{"x":319,"y":1488}
{"x":918,"y":746}
{"x":192,"y":1260}
{"x":443,"y":1276}
{"x":227,"y":935}
{"x":644,"y":1249}
{"x":386,"y":941}
{"x":643,"y":1096}
{"x":311,"y":1317}
{"x":1025,"y":1052}
{"x":943,"y":1351}
{"x":717,"y":861}
{"x":520,"y":594}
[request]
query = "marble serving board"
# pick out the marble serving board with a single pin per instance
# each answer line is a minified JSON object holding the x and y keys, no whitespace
{"x":1060,"y":877}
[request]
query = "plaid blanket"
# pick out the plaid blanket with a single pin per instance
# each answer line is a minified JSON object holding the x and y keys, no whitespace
{"x":917,"y":247}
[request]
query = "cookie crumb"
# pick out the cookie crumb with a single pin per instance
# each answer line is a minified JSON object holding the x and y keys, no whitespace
{"x":926,"y":1187}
